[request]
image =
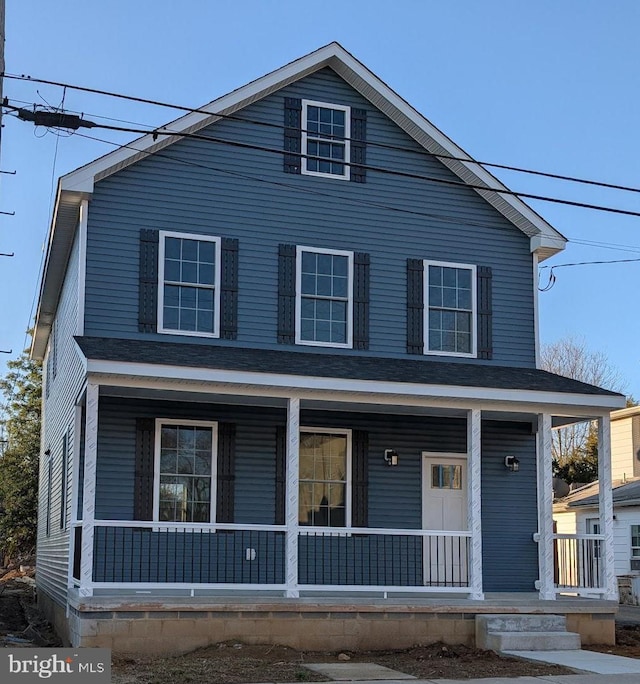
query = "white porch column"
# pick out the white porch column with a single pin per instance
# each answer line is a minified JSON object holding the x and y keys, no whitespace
{"x":89,"y":489}
{"x":605,"y":503}
{"x":75,"y":480}
{"x":293,"y":457}
{"x":474,"y":506}
{"x":546,"y":586}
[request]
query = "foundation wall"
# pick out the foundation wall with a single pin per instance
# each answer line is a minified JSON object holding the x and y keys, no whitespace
{"x":349,"y":628}
{"x":56,"y":615}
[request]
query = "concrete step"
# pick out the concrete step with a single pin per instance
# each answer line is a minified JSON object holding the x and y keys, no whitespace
{"x":532,"y":641}
{"x":521,"y":623}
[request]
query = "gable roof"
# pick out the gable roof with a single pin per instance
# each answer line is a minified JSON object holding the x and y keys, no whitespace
{"x":78,"y":185}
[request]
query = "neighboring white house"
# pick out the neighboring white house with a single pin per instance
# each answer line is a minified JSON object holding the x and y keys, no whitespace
{"x":577,"y":513}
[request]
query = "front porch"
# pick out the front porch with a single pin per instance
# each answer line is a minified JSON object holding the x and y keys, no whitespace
{"x":378,"y":555}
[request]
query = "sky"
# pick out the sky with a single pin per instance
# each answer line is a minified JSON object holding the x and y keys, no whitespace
{"x":546,"y":85}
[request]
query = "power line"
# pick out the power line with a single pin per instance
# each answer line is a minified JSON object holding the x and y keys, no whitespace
{"x":162,"y":131}
{"x":590,"y":263}
{"x":201,"y":110}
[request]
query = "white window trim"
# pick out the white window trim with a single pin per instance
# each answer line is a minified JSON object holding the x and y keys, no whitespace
{"x":348,"y":484}
{"x":347,"y":141}
{"x":156,"y":463}
{"x":313,"y":343}
{"x":161,"y":251}
{"x":474,"y":309}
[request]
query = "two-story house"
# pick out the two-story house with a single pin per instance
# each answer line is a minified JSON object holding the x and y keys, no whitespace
{"x":291,"y":346}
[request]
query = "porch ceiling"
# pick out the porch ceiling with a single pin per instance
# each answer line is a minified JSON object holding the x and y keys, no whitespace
{"x":328,"y":404}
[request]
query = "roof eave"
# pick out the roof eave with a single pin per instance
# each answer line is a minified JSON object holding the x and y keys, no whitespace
{"x":61,"y":235}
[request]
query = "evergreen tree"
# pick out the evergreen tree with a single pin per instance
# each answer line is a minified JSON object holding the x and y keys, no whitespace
{"x":22,"y":391}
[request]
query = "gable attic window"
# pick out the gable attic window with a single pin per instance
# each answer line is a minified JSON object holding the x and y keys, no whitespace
{"x":189,"y":284}
{"x":325,"y":139}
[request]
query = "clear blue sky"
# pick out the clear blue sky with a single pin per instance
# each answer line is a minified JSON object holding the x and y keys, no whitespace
{"x":548,"y":85}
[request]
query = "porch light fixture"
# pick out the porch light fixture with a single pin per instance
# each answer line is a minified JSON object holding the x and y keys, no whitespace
{"x":391,"y":457}
{"x":512,"y":463}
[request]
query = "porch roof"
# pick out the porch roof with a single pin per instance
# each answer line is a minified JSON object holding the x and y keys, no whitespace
{"x":343,"y":366}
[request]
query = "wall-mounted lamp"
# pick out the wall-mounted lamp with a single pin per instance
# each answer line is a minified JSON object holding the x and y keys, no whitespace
{"x":512,"y":463}
{"x":391,"y":457}
{"x":47,"y":452}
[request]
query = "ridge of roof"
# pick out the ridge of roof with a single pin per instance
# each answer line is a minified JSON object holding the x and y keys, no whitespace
{"x":372,"y":88}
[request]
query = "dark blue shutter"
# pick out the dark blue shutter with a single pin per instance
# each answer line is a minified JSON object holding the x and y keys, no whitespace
{"x":286,"y":294}
{"x":148,"y":276}
{"x":358,"y":145}
{"x":292,"y":135}
{"x":360,"y":300}
{"x":415,"y":306}
{"x":229,"y":290}
{"x":144,"y":459}
{"x":226,"y":472}
{"x":360,"y":478}
{"x":485,"y":313}
{"x":281,"y":474}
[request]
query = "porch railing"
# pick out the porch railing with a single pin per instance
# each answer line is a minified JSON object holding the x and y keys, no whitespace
{"x":189,"y":556}
{"x":578,"y":566}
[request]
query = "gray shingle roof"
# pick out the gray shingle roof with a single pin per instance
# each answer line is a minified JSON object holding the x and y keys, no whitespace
{"x":348,"y":365}
{"x":622,"y":493}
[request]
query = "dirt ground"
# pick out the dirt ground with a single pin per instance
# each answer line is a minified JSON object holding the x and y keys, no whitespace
{"x":22,"y":624}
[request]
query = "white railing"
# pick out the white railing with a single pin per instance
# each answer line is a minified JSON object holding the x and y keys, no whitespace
{"x":578,"y":563}
{"x":147,"y":555}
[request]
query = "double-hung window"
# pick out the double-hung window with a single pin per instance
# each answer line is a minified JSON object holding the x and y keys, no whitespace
{"x":325,"y":478}
{"x":450,"y":313}
{"x":325,"y":139}
{"x":635,"y":541}
{"x":324,"y":300}
{"x":185,"y":467}
{"x":189,"y":284}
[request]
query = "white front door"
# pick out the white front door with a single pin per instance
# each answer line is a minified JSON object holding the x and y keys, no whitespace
{"x":444,"y":507}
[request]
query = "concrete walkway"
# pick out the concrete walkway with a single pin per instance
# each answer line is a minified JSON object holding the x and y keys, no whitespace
{"x":584,"y":661}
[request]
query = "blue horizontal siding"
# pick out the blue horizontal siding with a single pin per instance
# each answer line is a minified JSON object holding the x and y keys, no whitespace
{"x":213,"y":189}
{"x":509,"y":508}
{"x":509,"y":502}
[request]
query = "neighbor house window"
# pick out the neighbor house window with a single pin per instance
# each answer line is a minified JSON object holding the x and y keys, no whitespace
{"x":185,"y":471}
{"x":451,"y":311}
{"x":635,"y":541}
{"x":324,"y":302}
{"x":325,"y":139}
{"x":189,"y":284}
{"x":325,"y":463}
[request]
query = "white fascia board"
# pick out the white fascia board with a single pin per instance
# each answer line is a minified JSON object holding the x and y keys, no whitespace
{"x":625,"y":413}
{"x":598,"y":403}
